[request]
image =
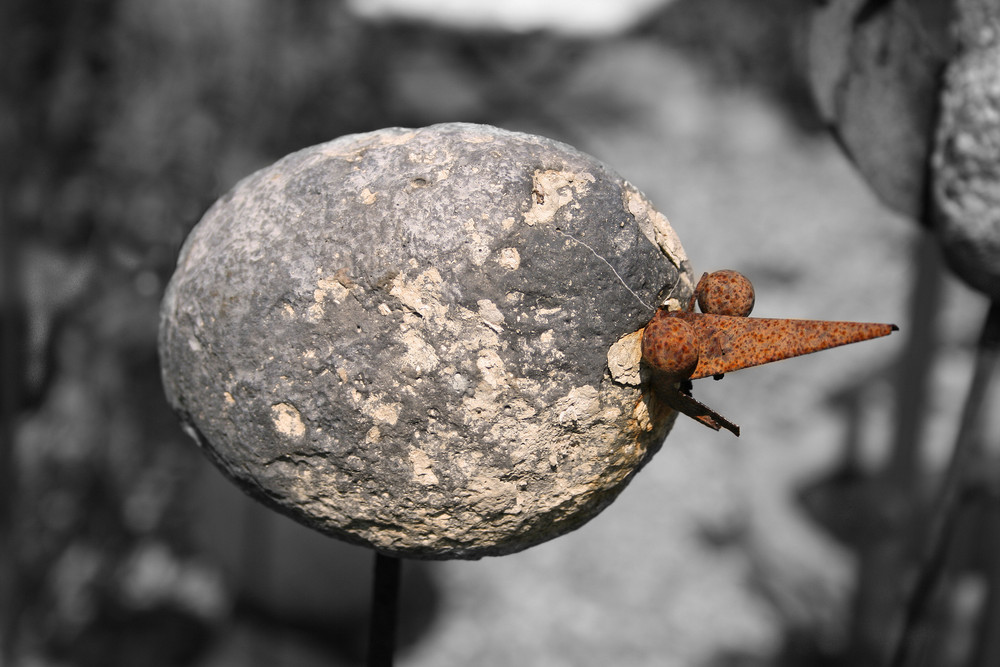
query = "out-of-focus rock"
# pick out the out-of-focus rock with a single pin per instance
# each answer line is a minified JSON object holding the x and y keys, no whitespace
{"x":874,"y":68}
{"x":967,"y":150}
{"x":912,"y":90}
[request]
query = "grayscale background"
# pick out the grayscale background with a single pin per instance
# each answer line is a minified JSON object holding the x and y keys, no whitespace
{"x":123,"y":120}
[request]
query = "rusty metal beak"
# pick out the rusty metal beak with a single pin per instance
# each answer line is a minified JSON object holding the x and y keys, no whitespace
{"x":683,"y":345}
{"x":729,"y":343}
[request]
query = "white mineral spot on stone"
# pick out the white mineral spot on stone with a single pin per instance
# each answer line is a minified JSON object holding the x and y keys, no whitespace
{"x":495,"y":492}
{"x":367,"y":196}
{"x":547,"y":345}
{"x":287,"y":420}
{"x":288,"y":310}
{"x":509,"y":258}
{"x":373,"y":434}
{"x":383,"y":413}
{"x":543,"y":314}
{"x":624,"y":357}
{"x":228,"y":398}
{"x":315,"y":312}
{"x":655,"y":227}
{"x":480,"y":248}
{"x":506,"y":224}
{"x":551,"y":191}
{"x":580,"y":406}
{"x":491,"y":314}
{"x":491,"y":366}
{"x":421,"y":463}
{"x":332,"y":288}
{"x":641,"y":416}
{"x":610,"y":414}
{"x":390,"y":139}
{"x":481,"y":338}
{"x":514,"y":297}
{"x":478,"y":138}
{"x":422,"y":294}
{"x":420,"y":356}
{"x":194,"y":344}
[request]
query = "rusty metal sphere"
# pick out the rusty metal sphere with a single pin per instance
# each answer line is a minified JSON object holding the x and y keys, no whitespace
{"x":670,"y":345}
{"x":725,"y":292}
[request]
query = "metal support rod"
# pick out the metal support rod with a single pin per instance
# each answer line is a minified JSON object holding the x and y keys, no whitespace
{"x":385,"y":602}
{"x":12,"y":354}
{"x":986,"y":652}
{"x":933,"y":568}
{"x":896,"y":493}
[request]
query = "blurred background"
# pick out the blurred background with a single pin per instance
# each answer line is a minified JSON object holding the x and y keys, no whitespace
{"x":123,"y":120}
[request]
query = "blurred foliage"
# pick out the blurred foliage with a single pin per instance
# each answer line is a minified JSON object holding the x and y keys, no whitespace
{"x":121,"y":121}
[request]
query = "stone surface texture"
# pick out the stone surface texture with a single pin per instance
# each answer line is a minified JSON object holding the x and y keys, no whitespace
{"x":912,"y":91}
{"x":966,"y":163}
{"x":406,"y":338}
{"x":875,"y":80}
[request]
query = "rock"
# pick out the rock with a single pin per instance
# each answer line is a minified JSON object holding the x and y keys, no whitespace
{"x":876,"y":74}
{"x":875,"y":78}
{"x":401,"y":338}
{"x":966,"y":163}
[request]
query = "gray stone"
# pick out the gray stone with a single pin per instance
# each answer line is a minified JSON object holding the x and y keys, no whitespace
{"x":966,"y":164}
{"x":402,"y":338}
{"x":875,"y":82}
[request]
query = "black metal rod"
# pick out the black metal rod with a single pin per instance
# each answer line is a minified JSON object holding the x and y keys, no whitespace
{"x":385,"y":603}
{"x":987,"y":646}
{"x":12,"y":354}
{"x":950,"y":498}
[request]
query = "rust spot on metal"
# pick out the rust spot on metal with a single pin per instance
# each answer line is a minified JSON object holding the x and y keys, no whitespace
{"x":683,"y":345}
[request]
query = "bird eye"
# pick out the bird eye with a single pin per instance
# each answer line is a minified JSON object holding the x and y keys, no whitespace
{"x":725,"y":292}
{"x":670,"y":345}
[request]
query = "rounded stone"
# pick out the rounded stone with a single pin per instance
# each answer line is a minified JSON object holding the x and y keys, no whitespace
{"x":402,"y":338}
{"x":966,"y":160}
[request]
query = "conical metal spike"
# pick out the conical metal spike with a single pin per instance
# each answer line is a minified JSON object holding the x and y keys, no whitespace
{"x":728,"y":343}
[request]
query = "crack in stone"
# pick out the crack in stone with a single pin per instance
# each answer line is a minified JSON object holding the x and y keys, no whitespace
{"x":584,"y":244}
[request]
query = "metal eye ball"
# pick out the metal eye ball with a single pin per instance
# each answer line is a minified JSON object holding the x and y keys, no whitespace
{"x":670,"y":345}
{"x":725,"y":292}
